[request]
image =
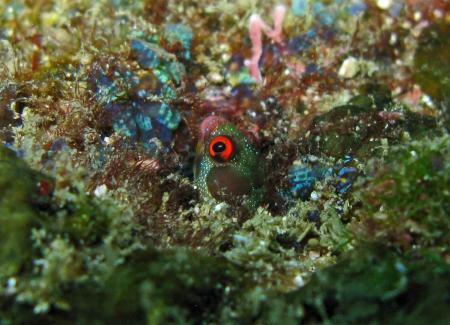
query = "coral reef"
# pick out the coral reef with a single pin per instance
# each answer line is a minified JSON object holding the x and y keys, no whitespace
{"x":224,"y":162}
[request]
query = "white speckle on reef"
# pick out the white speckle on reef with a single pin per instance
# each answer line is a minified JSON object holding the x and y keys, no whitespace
{"x":107,"y":140}
{"x":438,"y":13}
{"x":314,"y":196}
{"x":380,"y":216}
{"x":100,"y":190}
{"x":427,"y":100}
{"x":241,"y":239}
{"x":384,"y":4}
{"x":226,"y":57}
{"x":219,"y":207}
{"x":314,"y":255}
{"x":299,"y":282}
{"x":201,"y":83}
{"x":417,"y":16}
{"x":215,"y":77}
{"x":7,"y":54}
{"x":393,"y":39}
{"x":11,"y":286}
{"x":349,"y":68}
{"x":41,"y":308}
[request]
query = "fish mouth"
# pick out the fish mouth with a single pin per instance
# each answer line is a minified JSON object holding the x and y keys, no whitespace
{"x":225,"y":184}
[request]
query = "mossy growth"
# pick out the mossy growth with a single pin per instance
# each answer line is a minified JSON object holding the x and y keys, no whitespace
{"x":432,"y":65}
{"x":407,"y":203}
{"x":156,"y":287}
{"x":19,"y":205}
{"x":372,"y":284}
{"x":360,"y":126}
{"x":62,"y":279}
{"x":52,"y":232}
{"x":72,"y":254}
{"x":65,"y":251}
{"x":277,"y":251}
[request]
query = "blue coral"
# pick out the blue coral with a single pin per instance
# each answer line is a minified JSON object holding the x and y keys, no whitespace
{"x":180,"y":33}
{"x":345,"y":175}
{"x":139,"y":102}
{"x":168,"y":116}
{"x":302,"y":180}
{"x":327,"y":12}
{"x":302,"y":177}
{"x":299,"y":7}
{"x":357,"y":7}
{"x":345,"y":179}
{"x":163,"y":64}
{"x":146,"y":53}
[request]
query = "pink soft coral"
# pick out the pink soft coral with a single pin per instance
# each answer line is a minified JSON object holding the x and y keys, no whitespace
{"x":256,"y":27}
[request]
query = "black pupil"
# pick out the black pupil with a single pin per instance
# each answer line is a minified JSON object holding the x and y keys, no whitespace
{"x":219,"y":147}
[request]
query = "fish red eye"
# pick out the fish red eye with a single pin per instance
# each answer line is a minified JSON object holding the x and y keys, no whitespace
{"x":221,"y":148}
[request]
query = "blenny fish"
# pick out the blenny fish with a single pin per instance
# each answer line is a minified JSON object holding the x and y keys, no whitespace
{"x":228,"y":166}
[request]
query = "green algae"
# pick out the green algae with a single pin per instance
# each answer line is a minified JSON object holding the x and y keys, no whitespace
{"x":407,"y":204}
{"x":52,"y":258}
{"x":18,"y":189}
{"x":145,"y":285}
{"x":372,"y":284}
{"x":262,"y":258}
{"x":50,"y":233}
{"x":364,"y":122}
{"x":432,"y":66}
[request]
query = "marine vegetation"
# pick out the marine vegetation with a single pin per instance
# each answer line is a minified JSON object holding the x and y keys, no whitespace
{"x":224,"y":162}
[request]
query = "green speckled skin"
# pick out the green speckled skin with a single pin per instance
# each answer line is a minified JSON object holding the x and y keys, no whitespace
{"x":244,"y":171}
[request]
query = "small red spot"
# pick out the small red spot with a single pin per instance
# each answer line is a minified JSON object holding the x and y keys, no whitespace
{"x":45,"y":188}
